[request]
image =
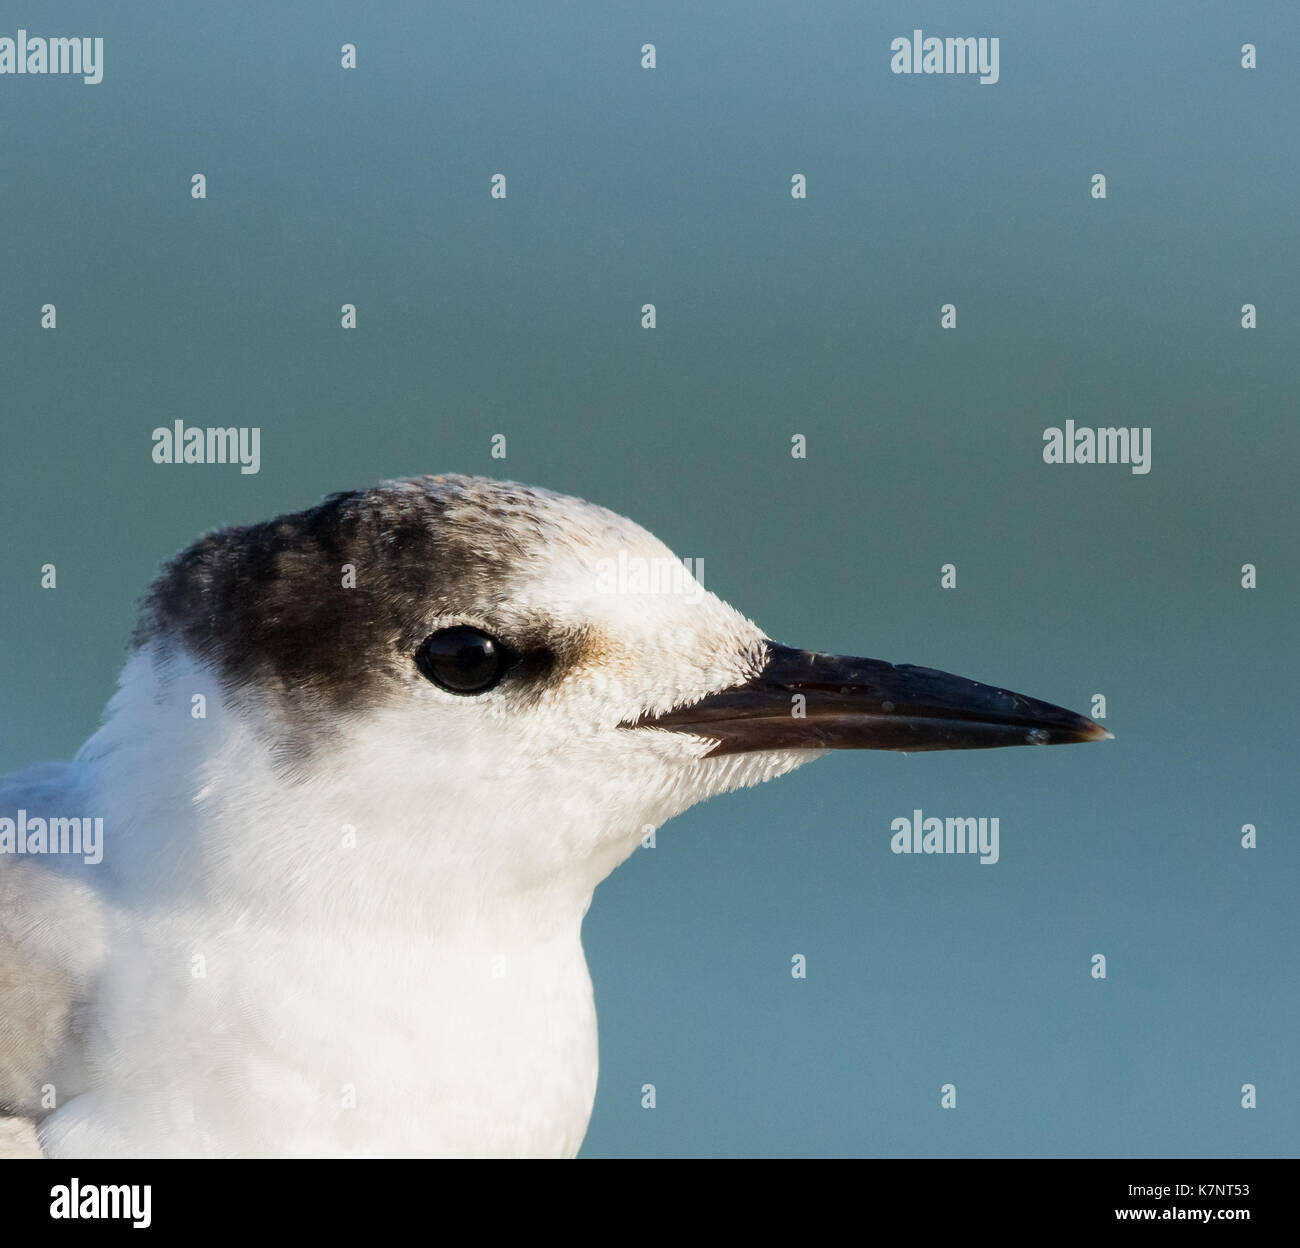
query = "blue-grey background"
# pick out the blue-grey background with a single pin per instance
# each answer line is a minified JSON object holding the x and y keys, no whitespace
{"x":776,"y":317}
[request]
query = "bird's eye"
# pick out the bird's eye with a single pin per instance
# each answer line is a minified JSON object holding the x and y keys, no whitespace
{"x":463,"y":660}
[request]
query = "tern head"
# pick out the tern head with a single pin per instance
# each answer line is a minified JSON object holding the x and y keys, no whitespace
{"x":525,"y":677}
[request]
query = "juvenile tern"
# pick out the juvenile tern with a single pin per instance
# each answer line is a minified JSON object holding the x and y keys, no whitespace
{"x":364,"y":767}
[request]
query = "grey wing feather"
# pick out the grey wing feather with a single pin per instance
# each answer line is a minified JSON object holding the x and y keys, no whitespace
{"x":18,"y":1140}
{"x":52,"y":940}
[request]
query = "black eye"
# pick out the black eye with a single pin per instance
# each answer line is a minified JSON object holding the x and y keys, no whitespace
{"x":463,"y":660}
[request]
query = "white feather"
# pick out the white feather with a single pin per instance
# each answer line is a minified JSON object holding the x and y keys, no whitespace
{"x":377,"y":950}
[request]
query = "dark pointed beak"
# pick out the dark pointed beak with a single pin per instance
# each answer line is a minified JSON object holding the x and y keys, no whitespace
{"x":807,"y":701}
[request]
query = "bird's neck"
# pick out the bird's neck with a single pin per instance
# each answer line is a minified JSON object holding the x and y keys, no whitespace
{"x":368,"y":950}
{"x":199,"y":812}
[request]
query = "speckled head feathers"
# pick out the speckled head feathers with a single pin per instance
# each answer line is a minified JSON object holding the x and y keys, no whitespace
{"x":323,"y":610}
